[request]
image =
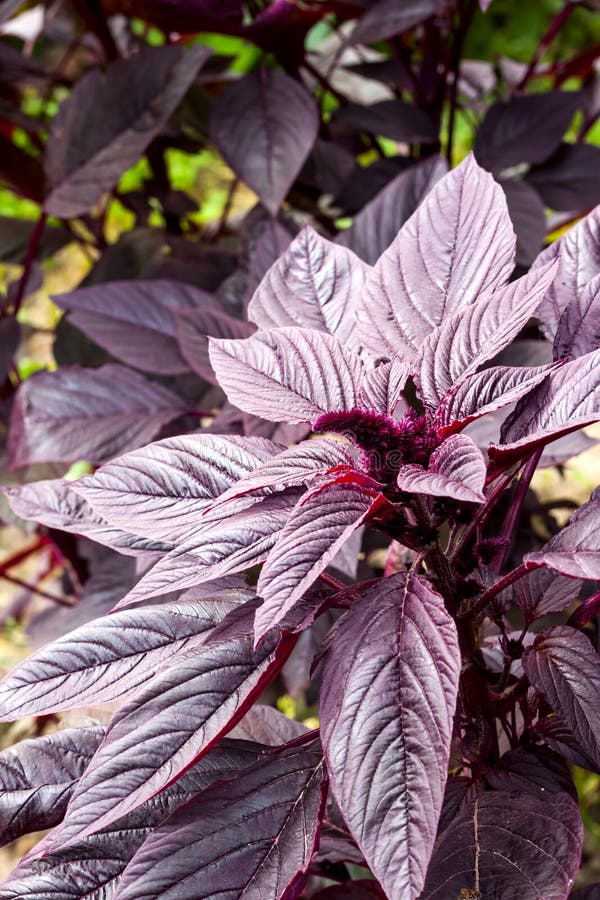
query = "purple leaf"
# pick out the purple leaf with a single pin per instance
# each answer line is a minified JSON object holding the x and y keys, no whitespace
{"x":168,"y":726}
{"x":387,"y":18}
{"x":525,"y":129}
{"x":569,"y":179}
{"x":563,"y":667}
{"x":95,"y":864}
{"x":233,"y":840}
{"x":134,"y":320}
{"x":106,"y":660}
{"x":508,"y":844}
{"x":288,"y":375}
{"x":586,"y":892}
{"x":264,"y":127}
{"x":472,"y":336}
{"x":193,"y":327}
{"x":377,"y":224}
{"x":293,"y":467}
{"x":387,"y":704}
{"x":578,"y":330}
{"x":76,"y":413}
{"x":528,"y":217}
{"x":162,"y":489}
{"x":317,"y":528}
{"x":534,"y":770}
{"x":263,"y":251}
{"x":393,"y":119}
{"x":221,"y":547}
{"x":575,"y":550}
{"x":362,"y":889}
{"x":578,"y":253}
{"x":382,"y":387}
{"x":542,"y":592}
{"x":10,"y":335}
{"x":458,"y":245}
{"x":485,"y":392}
{"x":37,"y":777}
{"x":109,"y":120}
{"x":266,"y":725}
{"x":457,"y":469}
{"x":314,"y":284}
{"x":55,"y":504}
{"x":566,"y":400}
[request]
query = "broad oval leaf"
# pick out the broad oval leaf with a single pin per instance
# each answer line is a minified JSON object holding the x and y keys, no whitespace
{"x":168,"y":726}
{"x":193,"y":327}
{"x":134,"y":320}
{"x":575,"y":550}
{"x":37,"y":777}
{"x":109,"y":120}
{"x":578,"y":330}
{"x":314,"y":284}
{"x":264,"y":127}
{"x":528,"y":217}
{"x":376,"y":225}
{"x":457,"y":245}
{"x":542,"y":592}
{"x":288,"y":374}
{"x":55,"y":504}
{"x":106,"y":660}
{"x":456,"y":469}
{"x":472,"y":336}
{"x":388,"y":695}
{"x":95,"y":864}
{"x":76,"y":413}
{"x":266,"y":725}
{"x":568,"y":399}
{"x":317,"y":528}
{"x":568,"y":180}
{"x":564,"y":668}
{"x":525,"y":129}
{"x":233,"y":840}
{"x":394,"y":119}
{"x":162,"y":489}
{"x":386,"y":18}
{"x":506,"y":845}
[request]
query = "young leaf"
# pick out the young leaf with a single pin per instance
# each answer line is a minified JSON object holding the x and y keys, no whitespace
{"x":109,"y":120}
{"x":382,"y":387}
{"x":485,"y":392}
{"x":457,"y":469}
{"x":288,"y":374}
{"x":76,"y":413}
{"x":578,"y":330}
{"x":388,"y":694}
{"x":264,"y":127}
{"x":95,"y":864}
{"x":163,"y":488}
{"x":525,"y":129}
{"x":296,"y":466}
{"x":376,"y":225}
{"x":168,"y":726}
{"x":55,"y":504}
{"x":564,"y":668}
{"x":233,"y":839}
{"x":578,"y":253}
{"x":106,"y":660}
{"x":508,"y":844}
{"x":37,"y":777}
{"x":472,"y":336}
{"x":575,"y":550}
{"x":458,"y":245}
{"x":134,"y":320}
{"x":314,"y":284}
{"x":193,"y":327}
{"x":568,"y":399}
{"x":317,"y":528}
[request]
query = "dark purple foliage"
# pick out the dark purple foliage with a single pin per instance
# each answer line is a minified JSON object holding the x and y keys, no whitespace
{"x":310,"y":455}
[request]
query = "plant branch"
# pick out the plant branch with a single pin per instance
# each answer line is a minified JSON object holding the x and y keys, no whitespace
{"x":32,"y":248}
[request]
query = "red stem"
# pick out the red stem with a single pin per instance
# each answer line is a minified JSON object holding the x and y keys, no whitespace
{"x":497,"y":588}
{"x":553,"y":29}
{"x":588,"y":610}
{"x":32,"y":248}
{"x":62,"y":601}
{"x":514,"y":511}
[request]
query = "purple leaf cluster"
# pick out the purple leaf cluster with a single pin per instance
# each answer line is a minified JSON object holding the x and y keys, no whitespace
{"x":310,"y":454}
